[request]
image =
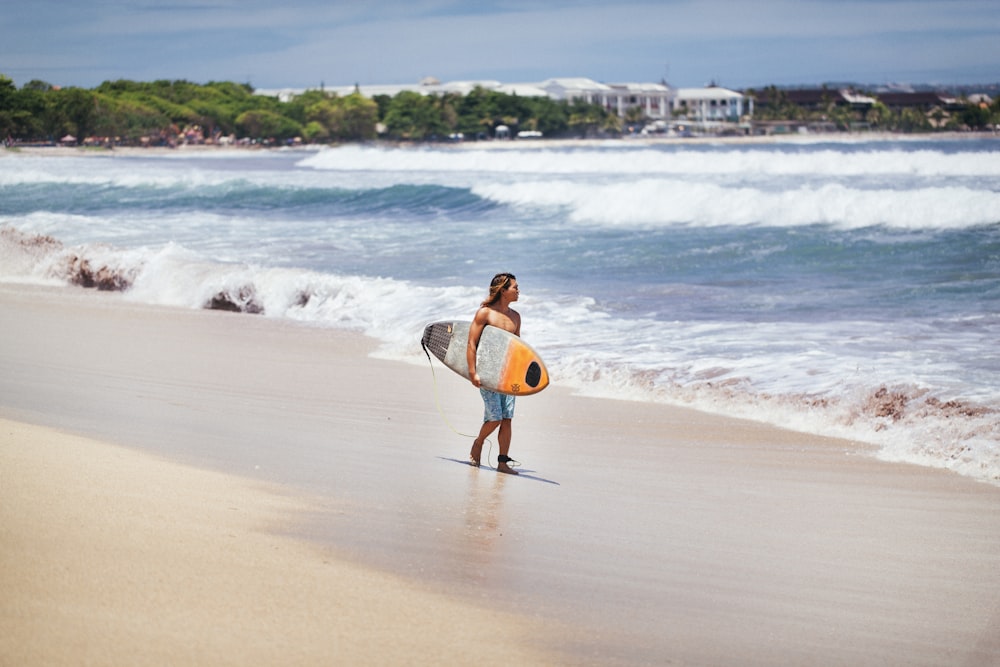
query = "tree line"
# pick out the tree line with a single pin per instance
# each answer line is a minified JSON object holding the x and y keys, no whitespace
{"x":169,"y":112}
{"x":166,"y":112}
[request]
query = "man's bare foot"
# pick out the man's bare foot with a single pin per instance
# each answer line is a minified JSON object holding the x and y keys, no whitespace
{"x":475,"y":454}
{"x":503,"y":467}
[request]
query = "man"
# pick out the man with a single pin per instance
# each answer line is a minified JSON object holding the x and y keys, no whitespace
{"x":499,"y":408}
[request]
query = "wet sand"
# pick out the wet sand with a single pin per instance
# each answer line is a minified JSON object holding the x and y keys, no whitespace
{"x":638,"y":534}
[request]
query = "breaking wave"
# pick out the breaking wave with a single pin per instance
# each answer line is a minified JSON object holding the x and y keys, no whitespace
{"x":800,"y":384}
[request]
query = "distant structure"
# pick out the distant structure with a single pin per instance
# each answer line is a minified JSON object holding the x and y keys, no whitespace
{"x":658,"y":101}
{"x":821,"y":98}
{"x":712,"y":103}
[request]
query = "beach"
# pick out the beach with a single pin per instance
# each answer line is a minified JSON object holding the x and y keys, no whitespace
{"x":520,"y":144}
{"x":116,"y":555}
{"x":198,"y":487}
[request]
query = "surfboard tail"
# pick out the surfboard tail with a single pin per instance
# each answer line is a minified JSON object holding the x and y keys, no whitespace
{"x":523,"y":372}
{"x":436,"y":339}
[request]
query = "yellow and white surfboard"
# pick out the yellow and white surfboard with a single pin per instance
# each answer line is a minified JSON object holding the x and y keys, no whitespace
{"x":505,"y":363}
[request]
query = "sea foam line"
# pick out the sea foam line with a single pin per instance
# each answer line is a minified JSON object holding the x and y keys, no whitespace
{"x":679,"y":162}
{"x":653,"y":202}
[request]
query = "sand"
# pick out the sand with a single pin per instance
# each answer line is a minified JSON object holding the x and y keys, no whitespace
{"x":210,"y":488}
{"x":112,"y":557}
{"x":522,"y":144}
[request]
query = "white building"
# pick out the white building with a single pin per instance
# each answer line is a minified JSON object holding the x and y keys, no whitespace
{"x":652,"y":98}
{"x":711,"y":103}
{"x":657,"y":100}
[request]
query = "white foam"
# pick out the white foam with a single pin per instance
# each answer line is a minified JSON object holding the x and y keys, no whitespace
{"x":663,"y":202}
{"x":647,"y":161}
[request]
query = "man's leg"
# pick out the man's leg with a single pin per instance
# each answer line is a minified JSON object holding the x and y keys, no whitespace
{"x":504,"y":438}
{"x":477,"y":444}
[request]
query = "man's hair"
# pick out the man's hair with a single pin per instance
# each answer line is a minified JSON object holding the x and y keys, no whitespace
{"x":501,"y":281}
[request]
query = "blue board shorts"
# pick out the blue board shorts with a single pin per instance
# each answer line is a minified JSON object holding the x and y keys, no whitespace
{"x":497,"y":406}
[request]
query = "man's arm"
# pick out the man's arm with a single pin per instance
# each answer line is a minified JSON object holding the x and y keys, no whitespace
{"x":475,"y":333}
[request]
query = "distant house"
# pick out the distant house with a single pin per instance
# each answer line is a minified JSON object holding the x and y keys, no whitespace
{"x":576,"y":88}
{"x":817,"y":99}
{"x":712,"y":103}
{"x":652,"y":98}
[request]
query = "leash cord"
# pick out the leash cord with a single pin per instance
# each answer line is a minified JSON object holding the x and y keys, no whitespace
{"x":437,"y":401}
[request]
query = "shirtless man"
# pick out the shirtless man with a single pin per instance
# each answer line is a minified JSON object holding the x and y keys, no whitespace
{"x":499,"y":408}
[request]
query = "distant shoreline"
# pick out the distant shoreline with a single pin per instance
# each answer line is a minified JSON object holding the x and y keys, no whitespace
{"x":67,"y":151}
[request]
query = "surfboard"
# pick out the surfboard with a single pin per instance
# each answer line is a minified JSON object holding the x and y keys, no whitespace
{"x":505,"y":363}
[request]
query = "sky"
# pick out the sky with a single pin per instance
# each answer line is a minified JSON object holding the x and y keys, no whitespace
{"x":688,"y":43}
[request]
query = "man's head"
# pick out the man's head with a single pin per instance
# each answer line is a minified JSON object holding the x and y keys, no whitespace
{"x":501,"y":283}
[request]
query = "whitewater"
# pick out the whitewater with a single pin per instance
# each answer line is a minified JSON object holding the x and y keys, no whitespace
{"x":845,"y":288}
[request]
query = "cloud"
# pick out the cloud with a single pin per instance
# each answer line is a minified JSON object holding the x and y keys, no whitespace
{"x":303,"y":42}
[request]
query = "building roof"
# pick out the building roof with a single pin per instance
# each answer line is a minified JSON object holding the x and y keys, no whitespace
{"x":578,"y":82}
{"x":707,"y":93}
{"x":521,"y":90}
{"x":814,"y":97}
{"x":639,"y":88}
{"x":927,"y":99}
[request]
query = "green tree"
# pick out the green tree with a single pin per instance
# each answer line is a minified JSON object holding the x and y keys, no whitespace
{"x":128,"y":120}
{"x":878,"y":115}
{"x":33,"y":113}
{"x":591,"y":119}
{"x":382,"y":102}
{"x":975,"y":117}
{"x":415,"y":117}
{"x":551,"y":117}
{"x":78,"y":107}
{"x":773,"y":104}
{"x":266,"y":125}
{"x":841,"y":116}
{"x":297,"y":108}
{"x":357,"y":118}
{"x":314,"y":132}
{"x":350,"y":118}
{"x":476,"y":112}
{"x":322,"y":111}
{"x":912,"y":120}
{"x":8,"y":92}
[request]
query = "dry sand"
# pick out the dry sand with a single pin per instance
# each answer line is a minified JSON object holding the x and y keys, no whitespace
{"x":113,"y":557}
{"x":640,"y":534}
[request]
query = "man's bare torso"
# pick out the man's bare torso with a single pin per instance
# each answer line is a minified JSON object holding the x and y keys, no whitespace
{"x":508,"y":321}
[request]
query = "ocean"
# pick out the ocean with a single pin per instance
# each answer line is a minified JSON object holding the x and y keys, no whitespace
{"x":848,"y":288}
